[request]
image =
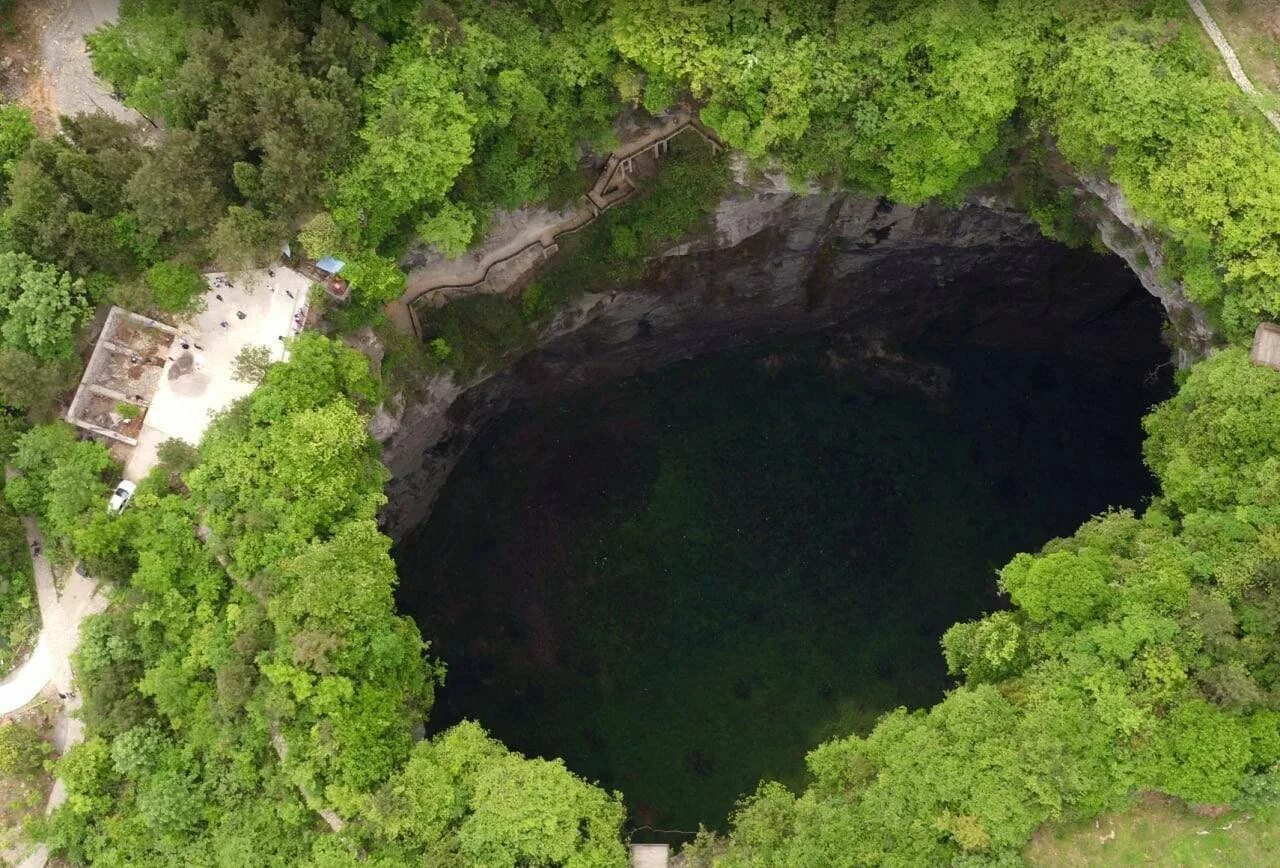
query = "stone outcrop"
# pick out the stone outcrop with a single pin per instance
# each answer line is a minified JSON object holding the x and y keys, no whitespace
{"x":780,"y":262}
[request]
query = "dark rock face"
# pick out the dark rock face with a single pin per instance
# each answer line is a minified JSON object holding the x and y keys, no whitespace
{"x":779,"y":264}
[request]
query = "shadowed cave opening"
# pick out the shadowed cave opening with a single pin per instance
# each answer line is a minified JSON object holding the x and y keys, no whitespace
{"x":683,"y":580}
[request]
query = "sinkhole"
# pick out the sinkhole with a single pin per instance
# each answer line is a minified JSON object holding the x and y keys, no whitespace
{"x":683,"y":580}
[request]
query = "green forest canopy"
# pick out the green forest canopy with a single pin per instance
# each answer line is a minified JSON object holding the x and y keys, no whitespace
{"x":235,"y":686}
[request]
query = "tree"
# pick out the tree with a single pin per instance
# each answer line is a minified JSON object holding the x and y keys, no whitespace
{"x":416,"y":138}
{"x":31,"y":384}
{"x":1071,"y":586}
{"x":464,"y":796}
{"x":251,"y":363}
{"x":174,"y":193}
{"x":375,"y":279}
{"x":986,"y":650}
{"x":449,"y":229}
{"x":177,"y":287}
{"x":66,"y":198}
{"x":22,"y":750}
{"x":16,"y":132}
{"x":245,"y":239}
{"x":61,"y":477}
{"x":42,"y":307}
{"x":1203,"y":753}
{"x":319,"y":370}
{"x":177,"y":456}
{"x":1216,"y":442}
{"x":320,"y":236}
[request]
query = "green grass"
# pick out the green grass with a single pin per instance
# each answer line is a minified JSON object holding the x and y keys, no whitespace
{"x":1158,"y":831}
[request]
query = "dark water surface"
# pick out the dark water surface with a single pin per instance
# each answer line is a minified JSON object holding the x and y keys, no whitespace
{"x":683,"y":582}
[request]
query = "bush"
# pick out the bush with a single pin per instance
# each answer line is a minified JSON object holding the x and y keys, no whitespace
{"x":479,"y":332}
{"x":22,"y":750}
{"x":16,"y":132}
{"x":251,"y":363}
{"x":176,"y":287}
{"x":19,"y":612}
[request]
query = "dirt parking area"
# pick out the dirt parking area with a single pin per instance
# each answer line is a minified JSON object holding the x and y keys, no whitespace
{"x":46,"y":66}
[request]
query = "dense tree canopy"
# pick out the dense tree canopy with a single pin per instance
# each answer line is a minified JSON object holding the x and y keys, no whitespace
{"x":252,"y":668}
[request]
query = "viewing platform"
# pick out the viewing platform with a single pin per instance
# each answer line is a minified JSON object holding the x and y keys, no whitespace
{"x":650,"y":855}
{"x":1266,"y":346}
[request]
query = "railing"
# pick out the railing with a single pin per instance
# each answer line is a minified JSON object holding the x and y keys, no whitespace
{"x":608,"y":191}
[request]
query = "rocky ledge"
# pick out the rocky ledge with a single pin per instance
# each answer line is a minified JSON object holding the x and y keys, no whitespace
{"x":777,"y":263}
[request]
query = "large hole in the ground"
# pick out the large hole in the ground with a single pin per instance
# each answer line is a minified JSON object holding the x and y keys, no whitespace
{"x":682,"y":581}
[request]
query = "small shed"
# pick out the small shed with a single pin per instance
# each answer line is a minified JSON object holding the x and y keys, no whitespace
{"x":1266,"y":345}
{"x":325,"y":272}
{"x":330,"y":265}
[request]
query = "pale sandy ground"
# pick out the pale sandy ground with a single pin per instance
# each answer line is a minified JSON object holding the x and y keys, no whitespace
{"x":185,"y":402}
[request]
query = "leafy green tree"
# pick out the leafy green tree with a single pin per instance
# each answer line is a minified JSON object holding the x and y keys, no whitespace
{"x":17,"y":130}
{"x":463,"y":795}
{"x":33,"y":385}
{"x":319,"y":371}
{"x":61,"y":477}
{"x":177,"y":287}
{"x":42,"y":307}
{"x":66,"y":202}
{"x":417,"y":139}
{"x":375,"y":279}
{"x":449,"y":229}
{"x":320,"y":236}
{"x":1059,"y":585}
{"x":141,"y":53}
{"x":986,"y":650}
{"x":251,"y":363}
{"x":1203,"y":753}
{"x":86,"y":770}
{"x":22,"y":749}
{"x":245,"y":239}
{"x":1217,"y":441}
{"x":174,"y":192}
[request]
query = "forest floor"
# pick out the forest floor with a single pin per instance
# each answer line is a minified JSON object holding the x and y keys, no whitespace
{"x":1161,"y":831}
{"x":1253,"y":29}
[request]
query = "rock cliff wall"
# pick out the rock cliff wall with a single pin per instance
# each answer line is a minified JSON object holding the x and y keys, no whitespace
{"x":779,"y":262}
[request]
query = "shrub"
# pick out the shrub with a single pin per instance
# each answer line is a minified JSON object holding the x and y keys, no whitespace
{"x":176,"y":287}
{"x":251,"y":363}
{"x":22,"y":750}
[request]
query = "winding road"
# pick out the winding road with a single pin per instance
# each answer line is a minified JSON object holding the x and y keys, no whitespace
{"x":50,"y":660}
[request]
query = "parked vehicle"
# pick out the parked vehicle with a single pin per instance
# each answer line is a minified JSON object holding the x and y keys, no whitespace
{"x":120,"y":497}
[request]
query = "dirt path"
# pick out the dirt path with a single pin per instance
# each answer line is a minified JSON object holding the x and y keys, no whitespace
{"x":1229,"y":57}
{"x":46,"y":63}
{"x":61,"y":614}
{"x":50,"y":662}
{"x":67,"y":67}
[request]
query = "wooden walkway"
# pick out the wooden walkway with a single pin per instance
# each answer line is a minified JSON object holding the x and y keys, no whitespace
{"x":612,"y":187}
